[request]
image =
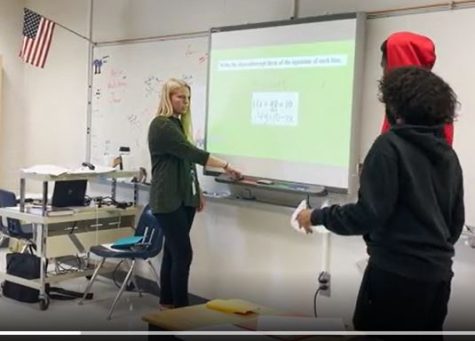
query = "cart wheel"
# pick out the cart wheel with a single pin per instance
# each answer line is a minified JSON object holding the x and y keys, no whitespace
{"x":44,"y":303}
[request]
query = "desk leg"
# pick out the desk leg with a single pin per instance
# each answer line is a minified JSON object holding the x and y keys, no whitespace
{"x":136,"y":193}
{"x":45,"y":197}
{"x":113,"y":189}
{"x":41,"y":234}
{"x":22,"y":194}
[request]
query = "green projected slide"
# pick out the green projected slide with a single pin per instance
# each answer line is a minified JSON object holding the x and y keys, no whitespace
{"x":285,"y":102}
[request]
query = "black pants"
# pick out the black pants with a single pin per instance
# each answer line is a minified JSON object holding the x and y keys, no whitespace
{"x":390,"y":302}
{"x":177,"y":255}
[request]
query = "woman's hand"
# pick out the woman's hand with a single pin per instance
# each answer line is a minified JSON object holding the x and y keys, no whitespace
{"x":233,"y":172}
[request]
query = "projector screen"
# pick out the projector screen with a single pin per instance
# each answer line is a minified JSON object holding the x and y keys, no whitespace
{"x":281,"y":99}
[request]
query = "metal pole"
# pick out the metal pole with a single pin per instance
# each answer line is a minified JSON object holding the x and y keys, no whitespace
{"x":89,"y":83}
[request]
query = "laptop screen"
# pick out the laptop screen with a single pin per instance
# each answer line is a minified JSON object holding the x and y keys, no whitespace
{"x":69,"y":193}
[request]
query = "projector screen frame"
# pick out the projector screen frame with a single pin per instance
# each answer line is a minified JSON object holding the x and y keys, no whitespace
{"x":354,"y":166}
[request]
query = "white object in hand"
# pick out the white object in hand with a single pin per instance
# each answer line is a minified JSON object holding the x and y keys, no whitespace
{"x":295,"y":224}
{"x":293,"y":220}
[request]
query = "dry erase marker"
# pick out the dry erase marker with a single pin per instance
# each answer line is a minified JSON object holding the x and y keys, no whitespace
{"x":265,"y":182}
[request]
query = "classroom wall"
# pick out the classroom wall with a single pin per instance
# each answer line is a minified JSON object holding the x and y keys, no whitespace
{"x":128,"y":19}
{"x":323,"y":7}
{"x":240,"y":249}
{"x":12,"y":121}
{"x":44,"y":117}
{"x":56,"y":97}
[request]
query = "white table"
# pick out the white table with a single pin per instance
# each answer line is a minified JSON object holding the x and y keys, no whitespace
{"x":44,"y":225}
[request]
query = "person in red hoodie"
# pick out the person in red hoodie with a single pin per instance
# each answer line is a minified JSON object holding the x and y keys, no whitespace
{"x":410,"y":49}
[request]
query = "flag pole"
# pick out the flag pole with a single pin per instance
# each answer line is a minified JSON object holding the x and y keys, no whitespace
{"x":75,"y":33}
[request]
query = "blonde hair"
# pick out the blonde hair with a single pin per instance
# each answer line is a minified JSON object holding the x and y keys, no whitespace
{"x":165,"y":107}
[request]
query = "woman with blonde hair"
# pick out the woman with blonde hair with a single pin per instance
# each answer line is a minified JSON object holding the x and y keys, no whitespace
{"x":175,"y":193}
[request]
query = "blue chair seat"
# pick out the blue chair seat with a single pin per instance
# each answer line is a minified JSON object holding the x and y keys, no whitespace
{"x":105,"y":252}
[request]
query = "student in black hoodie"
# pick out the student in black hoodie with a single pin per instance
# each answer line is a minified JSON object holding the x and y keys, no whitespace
{"x":410,"y":208}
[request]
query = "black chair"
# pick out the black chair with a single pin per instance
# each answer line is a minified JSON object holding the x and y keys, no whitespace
{"x":13,"y":227}
{"x":151,"y":245}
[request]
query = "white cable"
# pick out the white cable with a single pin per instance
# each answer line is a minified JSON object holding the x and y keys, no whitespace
{"x":326,"y":241}
{"x":326,"y":246}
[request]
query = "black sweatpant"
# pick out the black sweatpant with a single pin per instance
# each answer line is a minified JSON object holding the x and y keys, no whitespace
{"x":177,"y":255}
{"x":390,"y":302}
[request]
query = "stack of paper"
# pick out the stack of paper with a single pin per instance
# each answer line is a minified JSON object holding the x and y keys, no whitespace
{"x":235,"y":306}
{"x":58,"y":170}
{"x":45,"y":170}
{"x":86,"y":170}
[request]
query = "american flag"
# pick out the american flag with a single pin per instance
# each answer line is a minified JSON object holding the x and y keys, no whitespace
{"x":37,"y":34}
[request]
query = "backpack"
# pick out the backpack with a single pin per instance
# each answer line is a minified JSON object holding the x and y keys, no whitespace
{"x":28,"y":266}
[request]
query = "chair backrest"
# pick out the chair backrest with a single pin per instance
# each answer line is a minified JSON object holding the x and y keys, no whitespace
{"x":8,"y":199}
{"x":148,"y":222}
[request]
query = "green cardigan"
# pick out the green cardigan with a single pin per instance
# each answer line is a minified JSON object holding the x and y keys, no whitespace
{"x":174,"y":177}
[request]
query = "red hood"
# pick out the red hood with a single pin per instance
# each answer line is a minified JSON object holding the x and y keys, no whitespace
{"x":406,"y":48}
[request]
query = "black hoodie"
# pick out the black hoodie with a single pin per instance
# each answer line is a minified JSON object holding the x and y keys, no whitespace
{"x":410,"y":206}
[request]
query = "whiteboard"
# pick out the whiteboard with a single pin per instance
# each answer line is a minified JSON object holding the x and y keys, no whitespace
{"x":126,"y":85}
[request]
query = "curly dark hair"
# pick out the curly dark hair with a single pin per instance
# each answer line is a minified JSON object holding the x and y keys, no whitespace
{"x":384,"y":53}
{"x":418,"y":96}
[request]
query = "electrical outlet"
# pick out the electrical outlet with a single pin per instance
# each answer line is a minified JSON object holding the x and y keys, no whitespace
{"x":324,"y":282}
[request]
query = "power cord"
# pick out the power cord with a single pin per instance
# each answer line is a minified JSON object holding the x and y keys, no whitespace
{"x":109,"y":201}
{"x":315,"y":302}
{"x":114,"y":273}
{"x":323,"y":285}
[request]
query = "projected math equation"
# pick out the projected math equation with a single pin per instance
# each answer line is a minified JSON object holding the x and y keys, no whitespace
{"x":275,"y":108}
